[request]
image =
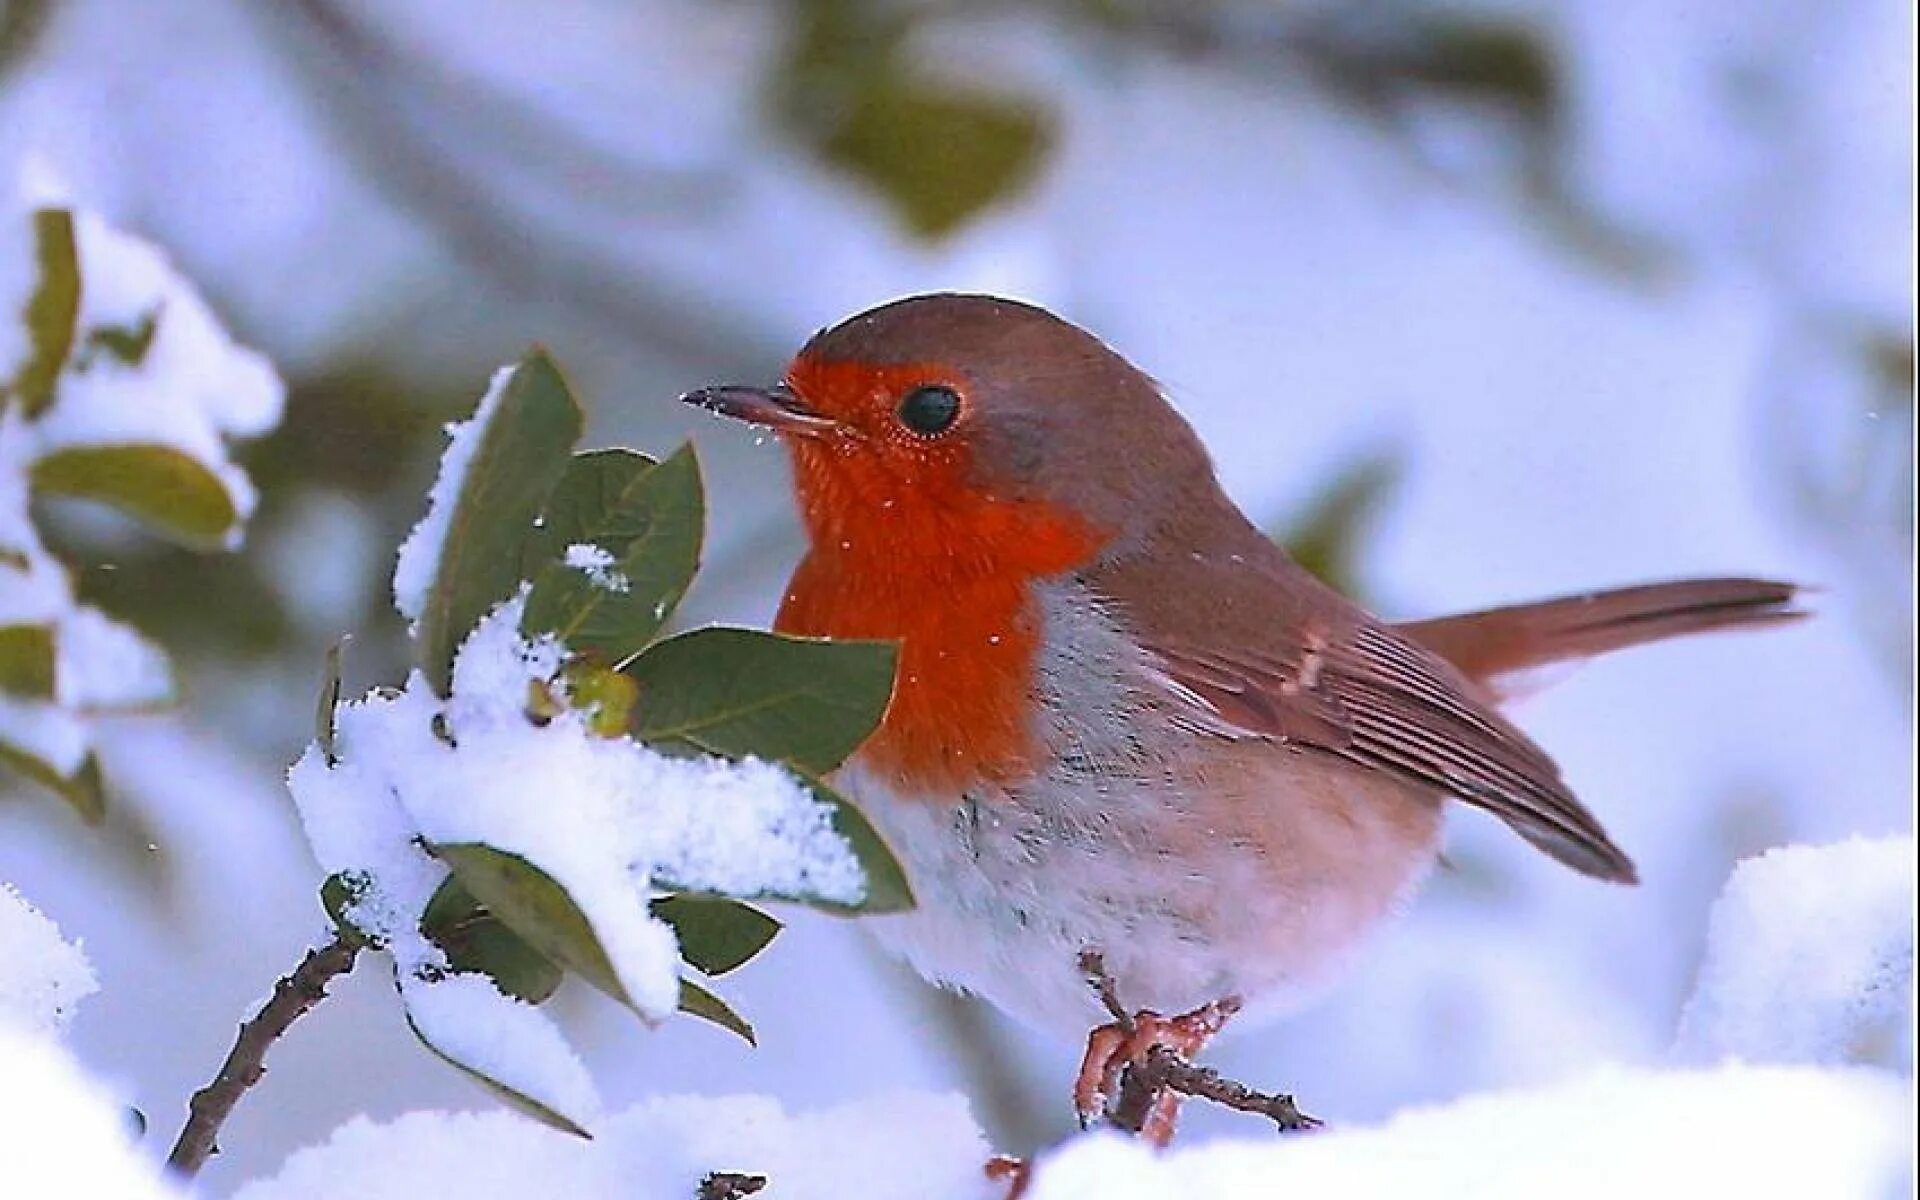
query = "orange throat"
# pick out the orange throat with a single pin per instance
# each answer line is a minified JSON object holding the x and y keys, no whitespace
{"x":949,"y":577}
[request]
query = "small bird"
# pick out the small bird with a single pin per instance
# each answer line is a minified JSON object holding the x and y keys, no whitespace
{"x":1127,"y":731}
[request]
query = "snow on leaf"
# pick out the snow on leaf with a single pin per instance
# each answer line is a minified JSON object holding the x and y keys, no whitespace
{"x":498,"y":470}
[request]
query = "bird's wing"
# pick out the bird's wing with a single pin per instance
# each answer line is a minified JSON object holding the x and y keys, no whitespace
{"x":1372,"y":696}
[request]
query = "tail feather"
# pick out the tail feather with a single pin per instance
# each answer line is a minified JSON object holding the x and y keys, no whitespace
{"x":1501,"y":644}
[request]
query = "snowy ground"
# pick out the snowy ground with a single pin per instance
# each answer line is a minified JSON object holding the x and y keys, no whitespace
{"x":1305,"y":293}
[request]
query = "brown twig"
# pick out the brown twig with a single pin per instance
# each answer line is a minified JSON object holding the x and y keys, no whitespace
{"x":729,"y":1185}
{"x":293,"y":997}
{"x":1163,"y":1070}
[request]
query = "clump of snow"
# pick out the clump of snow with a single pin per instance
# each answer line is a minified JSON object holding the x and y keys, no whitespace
{"x":419,"y":559}
{"x":60,"y":1134}
{"x":1809,"y":957}
{"x":596,"y":563}
{"x":42,"y":975}
{"x":193,"y":388}
{"x":511,"y":1043}
{"x":1734,"y":1131}
{"x":611,"y":821}
{"x":606,"y":818}
{"x":103,"y":664}
{"x":904,"y":1146}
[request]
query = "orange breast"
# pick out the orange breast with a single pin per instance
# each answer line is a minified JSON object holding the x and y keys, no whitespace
{"x":950,"y":578}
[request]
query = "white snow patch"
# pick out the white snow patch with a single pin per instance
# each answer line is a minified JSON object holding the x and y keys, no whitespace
{"x":1734,"y":1131}
{"x":511,"y":1043}
{"x":60,"y":1134}
{"x":606,"y":818}
{"x":51,"y":734}
{"x":42,"y":975}
{"x":1809,"y":957}
{"x":596,"y":563}
{"x":101,"y":663}
{"x":193,"y":388}
{"x":419,"y":559}
{"x":901,"y":1146}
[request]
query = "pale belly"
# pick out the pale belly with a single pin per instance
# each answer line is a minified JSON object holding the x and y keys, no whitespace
{"x":1199,"y":868}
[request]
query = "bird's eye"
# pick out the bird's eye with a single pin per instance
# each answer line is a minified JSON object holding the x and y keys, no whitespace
{"x":930,"y":410}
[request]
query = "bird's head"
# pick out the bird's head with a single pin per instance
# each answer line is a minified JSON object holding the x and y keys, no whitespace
{"x":968,"y":427}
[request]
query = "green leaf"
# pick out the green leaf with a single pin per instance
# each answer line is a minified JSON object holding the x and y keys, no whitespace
{"x":936,"y":147}
{"x":940,"y":154}
{"x":51,"y":311}
{"x":84,"y":789}
{"x":697,"y":1001}
{"x":521,"y":455}
{"x":716,"y":934}
{"x":529,"y":902}
{"x":592,"y":484}
{"x":339,"y":892}
{"x":165,"y":488}
{"x":129,"y":344}
{"x":518,"y":1101}
{"x":26,"y":660}
{"x":474,"y":940}
{"x":738,"y":692}
{"x":887,"y":887}
{"x":649,"y":523}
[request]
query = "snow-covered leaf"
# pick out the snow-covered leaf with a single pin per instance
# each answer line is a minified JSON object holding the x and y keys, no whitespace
{"x":508,"y":1048}
{"x":887,"y":888}
{"x":167,"y":489}
{"x":629,"y":543}
{"x":495,"y":478}
{"x":529,"y":902}
{"x":697,"y":1001}
{"x":738,"y":692}
{"x":83,"y":789}
{"x":339,"y":893}
{"x":716,"y":934}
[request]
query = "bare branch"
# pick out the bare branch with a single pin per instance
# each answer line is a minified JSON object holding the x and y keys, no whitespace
{"x":293,"y":997}
{"x":1163,"y":1070}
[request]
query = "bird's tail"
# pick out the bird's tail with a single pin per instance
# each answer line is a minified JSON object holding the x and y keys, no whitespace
{"x":1501,"y":646}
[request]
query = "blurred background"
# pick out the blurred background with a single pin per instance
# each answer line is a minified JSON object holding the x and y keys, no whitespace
{"x":1475,"y":301}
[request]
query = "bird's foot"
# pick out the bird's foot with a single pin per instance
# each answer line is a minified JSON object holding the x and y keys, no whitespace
{"x":1139,"y":1066}
{"x":1122,"y":1047}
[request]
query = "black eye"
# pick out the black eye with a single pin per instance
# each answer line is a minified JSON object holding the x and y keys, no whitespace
{"x":930,"y":410}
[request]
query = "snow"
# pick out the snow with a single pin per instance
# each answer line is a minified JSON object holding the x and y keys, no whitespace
{"x":60,"y":1133}
{"x":104,"y":664}
{"x":419,"y":559}
{"x":194,"y":388}
{"x":513,"y":1044}
{"x":900,"y":1146}
{"x":42,"y":975}
{"x":1809,"y":958}
{"x":47,"y":732}
{"x":18,"y":274}
{"x":596,"y":563}
{"x":1733,"y":1131}
{"x":613,"y":819}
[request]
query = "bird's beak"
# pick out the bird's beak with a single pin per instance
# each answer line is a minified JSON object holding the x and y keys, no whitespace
{"x":775,"y":407}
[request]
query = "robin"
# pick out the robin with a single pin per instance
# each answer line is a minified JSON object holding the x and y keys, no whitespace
{"x":1127,"y":730}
